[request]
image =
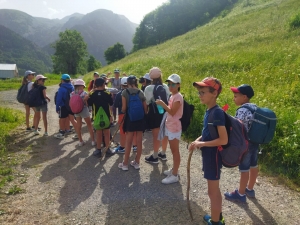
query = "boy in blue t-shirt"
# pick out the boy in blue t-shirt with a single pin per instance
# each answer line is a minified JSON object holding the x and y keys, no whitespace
{"x":249,"y":166}
{"x":209,"y":90}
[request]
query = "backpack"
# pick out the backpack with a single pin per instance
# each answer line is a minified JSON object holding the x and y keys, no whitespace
{"x":232,"y":153}
{"x":262,"y":126}
{"x":135,"y":107}
{"x":159,"y":92}
{"x":23,"y":93}
{"x":101,"y":120}
{"x":187,"y":115}
{"x":76,"y":102}
{"x":34,"y":98}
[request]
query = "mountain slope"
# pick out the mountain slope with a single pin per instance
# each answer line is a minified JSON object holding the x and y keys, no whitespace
{"x":18,"y":50}
{"x":252,"y":44}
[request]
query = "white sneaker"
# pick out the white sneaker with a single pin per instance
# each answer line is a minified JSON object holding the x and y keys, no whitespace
{"x":170,"y":179}
{"x":93,"y":143}
{"x":59,"y":136}
{"x":168,"y":172}
{"x":36,"y":132}
{"x":75,"y":136}
{"x":135,"y":165}
{"x":122,"y":166}
{"x":81,"y":143}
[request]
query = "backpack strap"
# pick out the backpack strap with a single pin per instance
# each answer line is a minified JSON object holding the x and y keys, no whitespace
{"x":212,"y":129}
{"x":247,"y":107}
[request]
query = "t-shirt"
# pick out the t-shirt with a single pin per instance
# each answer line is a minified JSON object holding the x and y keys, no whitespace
{"x":100,"y":98}
{"x":41,"y":88}
{"x":149,"y":93}
{"x":116,"y":83}
{"x":173,"y":123}
{"x":133,"y":91}
{"x":29,"y":87}
{"x":245,"y":115}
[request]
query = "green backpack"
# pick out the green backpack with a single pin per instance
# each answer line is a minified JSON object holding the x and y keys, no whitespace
{"x":101,"y":120}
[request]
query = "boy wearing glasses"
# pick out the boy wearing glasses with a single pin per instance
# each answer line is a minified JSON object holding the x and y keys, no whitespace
{"x":209,"y":90}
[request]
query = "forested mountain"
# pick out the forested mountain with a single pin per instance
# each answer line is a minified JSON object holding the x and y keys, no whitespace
{"x":100,"y":29}
{"x":15,"y":49}
{"x":175,"y":18}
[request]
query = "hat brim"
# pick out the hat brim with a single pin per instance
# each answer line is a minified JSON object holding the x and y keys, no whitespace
{"x":175,"y":82}
{"x":234,"y":89}
{"x":200,"y":84}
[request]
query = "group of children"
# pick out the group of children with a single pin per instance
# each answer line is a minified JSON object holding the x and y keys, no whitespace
{"x":165,"y":127}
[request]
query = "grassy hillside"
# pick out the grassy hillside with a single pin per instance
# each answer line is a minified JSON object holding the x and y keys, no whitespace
{"x":251,"y":44}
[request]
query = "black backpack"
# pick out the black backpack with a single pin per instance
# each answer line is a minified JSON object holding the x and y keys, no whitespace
{"x":159,"y":92}
{"x":187,"y":115}
{"x":34,"y":98}
{"x":23,"y":93}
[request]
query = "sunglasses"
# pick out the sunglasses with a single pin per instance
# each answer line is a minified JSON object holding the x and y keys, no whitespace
{"x":172,"y":85}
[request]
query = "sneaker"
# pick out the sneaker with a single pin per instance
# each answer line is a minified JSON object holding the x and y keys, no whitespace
{"x":207,"y":219}
{"x":119,"y":150}
{"x":162,"y":157}
{"x":59,"y":136}
{"x":97,"y":153}
{"x":134,"y":148}
{"x":69,"y":131}
{"x":81,"y":143}
{"x":36,"y":132}
{"x":135,"y":165}
{"x":29,"y":129}
{"x":235,"y":196}
{"x":170,"y":179}
{"x":46,"y":134}
{"x":39,"y":129}
{"x":93,"y":143}
{"x":109,"y":153}
{"x":168,"y":172}
{"x":112,"y":124}
{"x":75,"y":137}
{"x":250,"y":194}
{"x":151,"y":159}
{"x":122,"y":166}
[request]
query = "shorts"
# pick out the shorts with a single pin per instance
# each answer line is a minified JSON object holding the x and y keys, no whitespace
{"x":211,"y":163}
{"x":121,"y":122}
{"x":64,"y":113}
{"x":130,"y":126}
{"x":250,"y":158}
{"x":153,"y":118}
{"x":42,"y":108}
{"x":171,"y":135}
{"x":84,"y":113}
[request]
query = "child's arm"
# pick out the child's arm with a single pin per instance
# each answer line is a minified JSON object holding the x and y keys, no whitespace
{"x":172,"y":111}
{"x":45,"y":95}
{"x":124,"y":104}
{"x":221,"y":140}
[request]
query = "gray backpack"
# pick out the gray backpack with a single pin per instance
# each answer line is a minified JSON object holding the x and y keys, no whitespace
{"x":232,"y":153}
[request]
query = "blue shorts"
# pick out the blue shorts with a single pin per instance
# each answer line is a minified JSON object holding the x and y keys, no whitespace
{"x":250,"y":159}
{"x":212,"y":163}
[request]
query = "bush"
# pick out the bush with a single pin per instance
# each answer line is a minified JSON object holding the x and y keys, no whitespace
{"x":295,"y":21}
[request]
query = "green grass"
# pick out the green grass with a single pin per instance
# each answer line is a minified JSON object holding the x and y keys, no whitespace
{"x":15,"y":83}
{"x":253,"y":44}
{"x":9,"y":120}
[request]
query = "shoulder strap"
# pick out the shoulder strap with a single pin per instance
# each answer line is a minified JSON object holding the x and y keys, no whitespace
{"x":247,"y":107}
{"x":212,"y":129}
{"x":127,"y":91}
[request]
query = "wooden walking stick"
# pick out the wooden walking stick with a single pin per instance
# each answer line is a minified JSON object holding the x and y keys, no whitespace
{"x":189,"y":184}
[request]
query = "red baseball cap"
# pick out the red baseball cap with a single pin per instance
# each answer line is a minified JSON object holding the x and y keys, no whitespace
{"x":209,"y":82}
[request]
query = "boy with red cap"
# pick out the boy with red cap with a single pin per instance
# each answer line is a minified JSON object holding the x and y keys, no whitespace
{"x":248,"y":167}
{"x":209,"y":90}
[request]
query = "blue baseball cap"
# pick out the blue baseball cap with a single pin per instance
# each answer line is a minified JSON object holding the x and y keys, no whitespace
{"x":65,"y":77}
{"x":29,"y":72}
{"x":244,"y":89}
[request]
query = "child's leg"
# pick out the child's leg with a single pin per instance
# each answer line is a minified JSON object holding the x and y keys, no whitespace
{"x":106,"y":133}
{"x":243,"y":182}
{"x":164,"y":144}
{"x":34,"y":111}
{"x":89,"y":125}
{"x":36,"y":119}
{"x":99,"y":138}
{"x":156,"y":143}
{"x":62,"y":124}
{"x":134,"y":141}
{"x":129,"y":138}
{"x":252,"y":177}
{"x":73,"y":122}
{"x":215,"y":199}
{"x":139,"y":144}
{"x":78,"y":128}
{"x":27,"y":114}
{"x":174,"y":145}
{"x":45,"y":121}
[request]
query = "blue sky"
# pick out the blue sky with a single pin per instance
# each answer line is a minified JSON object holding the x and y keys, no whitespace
{"x":134,"y":10}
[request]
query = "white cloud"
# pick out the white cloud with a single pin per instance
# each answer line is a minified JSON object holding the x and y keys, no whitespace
{"x":3,"y":1}
{"x":52,"y":12}
{"x":44,"y":2}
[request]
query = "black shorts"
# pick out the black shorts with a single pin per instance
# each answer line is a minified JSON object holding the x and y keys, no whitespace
{"x":64,"y":112}
{"x":129,"y":126}
{"x":153,"y":118}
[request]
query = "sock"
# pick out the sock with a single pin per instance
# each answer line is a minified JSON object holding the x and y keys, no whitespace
{"x":240,"y":194}
{"x":249,"y":189}
{"x":163,"y":152}
{"x":221,"y":216}
{"x":214,"y":223}
{"x":155,"y":155}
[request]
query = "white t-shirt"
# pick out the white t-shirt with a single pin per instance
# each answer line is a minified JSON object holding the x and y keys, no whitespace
{"x":149,"y":93}
{"x":29,"y":87}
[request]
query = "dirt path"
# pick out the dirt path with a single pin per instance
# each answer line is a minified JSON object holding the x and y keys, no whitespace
{"x":67,"y":185}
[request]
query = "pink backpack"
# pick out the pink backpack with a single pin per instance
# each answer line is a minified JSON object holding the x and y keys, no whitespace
{"x":76,"y":102}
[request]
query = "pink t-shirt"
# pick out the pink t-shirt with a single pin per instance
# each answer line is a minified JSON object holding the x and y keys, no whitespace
{"x":173,"y":123}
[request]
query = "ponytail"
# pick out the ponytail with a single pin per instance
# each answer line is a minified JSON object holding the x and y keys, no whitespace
{"x":24,"y":81}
